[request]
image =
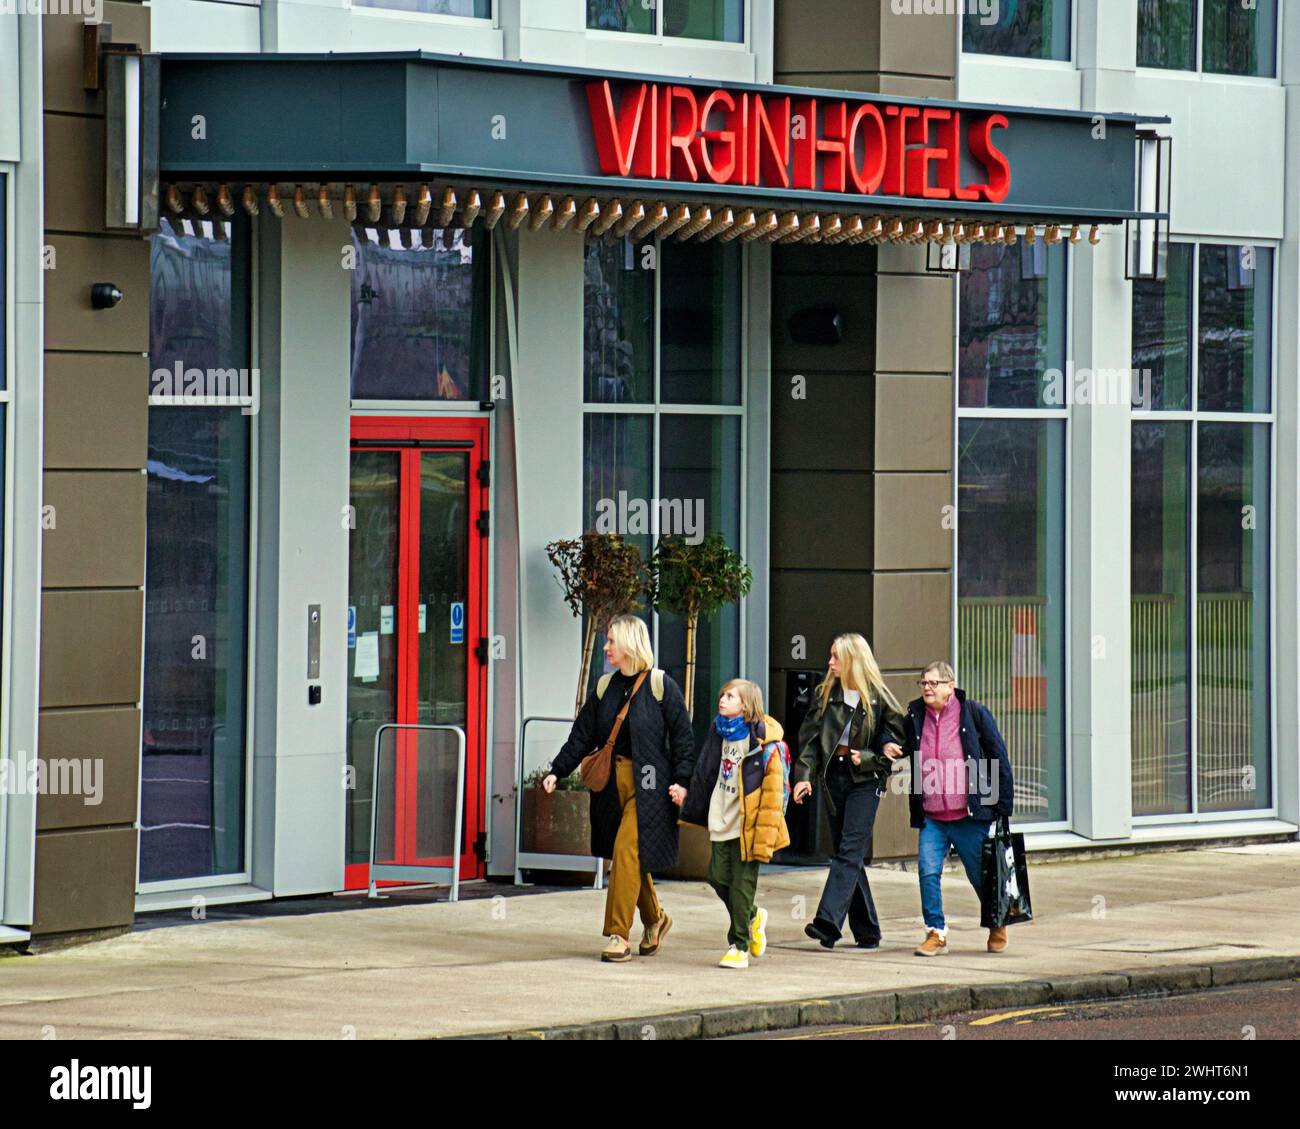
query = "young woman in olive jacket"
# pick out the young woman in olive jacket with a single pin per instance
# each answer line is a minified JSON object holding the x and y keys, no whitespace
{"x":842,"y":751}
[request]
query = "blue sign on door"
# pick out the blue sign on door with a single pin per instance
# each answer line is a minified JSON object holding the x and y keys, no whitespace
{"x":458,"y":623}
{"x":352,"y":628}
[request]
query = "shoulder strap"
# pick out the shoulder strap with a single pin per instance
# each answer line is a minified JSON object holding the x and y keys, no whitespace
{"x":603,"y":684}
{"x":657,"y":684}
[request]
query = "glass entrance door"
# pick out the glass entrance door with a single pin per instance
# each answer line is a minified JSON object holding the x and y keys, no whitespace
{"x":417,"y":614}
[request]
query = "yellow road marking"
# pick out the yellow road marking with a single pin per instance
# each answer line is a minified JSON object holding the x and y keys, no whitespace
{"x":857,"y":1030}
{"x":991,"y":1019}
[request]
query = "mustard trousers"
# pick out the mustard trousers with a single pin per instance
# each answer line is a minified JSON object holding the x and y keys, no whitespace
{"x":630,"y":887}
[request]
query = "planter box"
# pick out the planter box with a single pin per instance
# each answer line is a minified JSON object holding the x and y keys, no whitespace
{"x":558,"y":824}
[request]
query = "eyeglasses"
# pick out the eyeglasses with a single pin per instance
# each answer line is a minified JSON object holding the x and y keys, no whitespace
{"x":931,"y":684}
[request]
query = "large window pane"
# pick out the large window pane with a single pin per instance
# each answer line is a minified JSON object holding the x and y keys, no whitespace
{"x":1240,"y":37}
{"x":192,"y":771}
{"x":1232,"y":617}
{"x":195,"y":647}
{"x":1012,"y":325}
{"x":621,"y":15}
{"x":479,"y":9}
{"x":1167,"y":34}
{"x":700,"y":326}
{"x":1011,"y":595}
{"x":1028,"y":29}
{"x":699,"y":479}
{"x":722,"y":20}
{"x":1162,"y":333}
{"x":1235,"y":328}
{"x":419,"y":314}
{"x":1161,"y":567}
{"x":618,"y":323}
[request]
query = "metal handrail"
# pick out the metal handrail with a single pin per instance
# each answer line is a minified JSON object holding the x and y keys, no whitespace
{"x":587,"y":860}
{"x":405,"y":871}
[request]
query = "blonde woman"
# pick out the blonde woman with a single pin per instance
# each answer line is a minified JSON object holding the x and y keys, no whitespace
{"x":842,"y":746}
{"x":634,"y":818}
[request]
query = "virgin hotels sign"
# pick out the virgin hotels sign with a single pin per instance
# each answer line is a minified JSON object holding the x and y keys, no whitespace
{"x":661,"y":131}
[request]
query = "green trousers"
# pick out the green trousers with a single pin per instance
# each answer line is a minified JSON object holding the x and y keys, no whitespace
{"x":736,"y":883}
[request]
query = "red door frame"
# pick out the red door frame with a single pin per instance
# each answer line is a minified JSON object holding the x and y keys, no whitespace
{"x":403,"y":433}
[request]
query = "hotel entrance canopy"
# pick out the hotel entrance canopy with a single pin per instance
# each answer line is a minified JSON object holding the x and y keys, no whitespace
{"x":422,"y":138}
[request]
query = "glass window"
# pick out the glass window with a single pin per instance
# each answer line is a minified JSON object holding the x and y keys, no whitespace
{"x":196,"y":616}
{"x":1240,"y":38}
{"x":699,"y":323}
{"x":618,"y":361}
{"x":1012,"y":325}
{"x":1027,"y":29}
{"x":1232,"y":616}
{"x":1167,"y":34}
{"x":621,"y":15}
{"x":1011,"y":595}
{"x":721,"y":20}
{"x":1162,"y":333}
{"x":651,"y":470}
{"x":419,"y":313}
{"x":1235,"y":338}
{"x":1161,"y":642}
{"x":477,"y":9}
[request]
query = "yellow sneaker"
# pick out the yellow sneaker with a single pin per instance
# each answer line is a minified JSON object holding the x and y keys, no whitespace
{"x":758,"y":933}
{"x":734,"y":958}
{"x":617,"y":951}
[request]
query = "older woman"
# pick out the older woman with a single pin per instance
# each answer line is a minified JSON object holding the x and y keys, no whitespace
{"x":634,"y":818}
{"x":842,"y":745}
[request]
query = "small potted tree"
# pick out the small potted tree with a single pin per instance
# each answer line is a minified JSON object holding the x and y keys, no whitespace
{"x":601,"y":576}
{"x":696,"y":581}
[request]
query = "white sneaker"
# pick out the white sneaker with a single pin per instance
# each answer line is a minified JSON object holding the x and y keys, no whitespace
{"x":734,"y":958}
{"x":758,"y":933}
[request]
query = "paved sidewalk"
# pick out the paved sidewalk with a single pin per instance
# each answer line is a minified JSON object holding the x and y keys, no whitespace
{"x":529,"y":961}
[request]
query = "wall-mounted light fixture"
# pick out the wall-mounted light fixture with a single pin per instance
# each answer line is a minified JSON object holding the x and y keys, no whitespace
{"x":104,"y":295}
{"x":130,"y":81}
{"x":1146,"y":255}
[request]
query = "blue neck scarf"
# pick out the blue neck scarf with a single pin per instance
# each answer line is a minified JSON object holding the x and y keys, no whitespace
{"x":731,"y":728}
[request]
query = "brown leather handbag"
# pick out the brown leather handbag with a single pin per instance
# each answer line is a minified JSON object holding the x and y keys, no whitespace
{"x":594,"y":769}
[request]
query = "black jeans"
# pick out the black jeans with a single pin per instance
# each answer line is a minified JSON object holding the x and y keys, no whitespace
{"x":852,"y":814}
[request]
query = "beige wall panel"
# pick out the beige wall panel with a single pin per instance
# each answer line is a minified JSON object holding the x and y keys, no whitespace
{"x":99,"y":529}
{"x":913,"y":617}
{"x":826,"y":35}
{"x":913,"y":86}
{"x":909,"y":521}
{"x":63,"y":54}
{"x":70,"y":322}
{"x":74,"y":173}
{"x":110,"y":736}
{"x":913,"y":422}
{"x":912,"y":44}
{"x":893,"y":836}
{"x":916,"y":326}
{"x":91,"y":647}
{"x":96,"y":411}
{"x":84,"y":879}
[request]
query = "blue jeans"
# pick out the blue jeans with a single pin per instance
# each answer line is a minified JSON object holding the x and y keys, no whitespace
{"x":964,"y":834}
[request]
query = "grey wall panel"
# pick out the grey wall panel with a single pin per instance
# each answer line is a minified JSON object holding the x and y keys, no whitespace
{"x":98,"y":536}
{"x":96,"y":411}
{"x":110,"y":737}
{"x":91,"y":647}
{"x":85,"y":879}
{"x":821,"y":520}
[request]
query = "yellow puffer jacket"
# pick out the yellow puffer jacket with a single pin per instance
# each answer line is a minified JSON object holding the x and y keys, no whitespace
{"x":763,"y":829}
{"x":762,"y":823}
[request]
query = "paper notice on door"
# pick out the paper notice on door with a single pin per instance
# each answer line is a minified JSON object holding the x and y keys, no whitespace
{"x":423,"y":618}
{"x":386,"y":620}
{"x":366,"y":668}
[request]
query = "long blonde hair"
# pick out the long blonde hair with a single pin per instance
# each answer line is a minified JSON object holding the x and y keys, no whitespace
{"x":628,"y":633}
{"x":858,"y":671}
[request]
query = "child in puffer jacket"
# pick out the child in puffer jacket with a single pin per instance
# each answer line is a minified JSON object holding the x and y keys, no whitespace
{"x":737,"y":792}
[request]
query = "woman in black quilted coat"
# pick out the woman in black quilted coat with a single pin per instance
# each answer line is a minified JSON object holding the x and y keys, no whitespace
{"x":634,"y":818}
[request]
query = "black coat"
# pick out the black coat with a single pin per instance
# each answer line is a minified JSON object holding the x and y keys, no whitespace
{"x":980,"y":741}
{"x":661,"y":740}
{"x":820,"y":733}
